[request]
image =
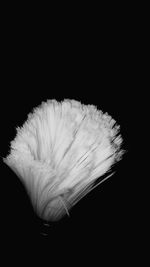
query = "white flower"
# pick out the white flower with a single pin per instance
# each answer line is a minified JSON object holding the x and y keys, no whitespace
{"x":60,"y":152}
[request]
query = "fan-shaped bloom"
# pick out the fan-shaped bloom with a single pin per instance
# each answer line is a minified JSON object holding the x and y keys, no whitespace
{"x":61,"y":151}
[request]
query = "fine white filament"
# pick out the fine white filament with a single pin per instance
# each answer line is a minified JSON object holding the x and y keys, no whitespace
{"x":60,"y":152}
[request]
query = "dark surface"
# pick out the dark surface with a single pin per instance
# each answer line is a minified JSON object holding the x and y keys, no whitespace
{"x":104,"y":77}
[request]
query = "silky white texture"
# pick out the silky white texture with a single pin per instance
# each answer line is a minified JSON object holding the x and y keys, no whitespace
{"x":60,"y":151}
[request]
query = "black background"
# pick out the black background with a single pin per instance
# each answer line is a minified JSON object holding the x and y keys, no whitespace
{"x":92,"y":64}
